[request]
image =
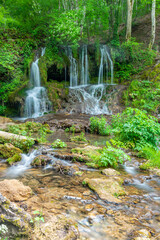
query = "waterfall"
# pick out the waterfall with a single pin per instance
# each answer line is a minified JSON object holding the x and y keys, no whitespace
{"x":84,"y":66}
{"x":73,"y":68}
{"x":37,"y":102}
{"x":108,"y":63}
{"x":89,"y":99}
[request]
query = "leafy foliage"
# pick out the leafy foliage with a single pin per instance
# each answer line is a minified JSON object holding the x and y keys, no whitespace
{"x":79,"y":138}
{"x":109,"y":157}
{"x":98,"y":125}
{"x":59,"y":144}
{"x":131,"y":58}
{"x":144,"y":95}
{"x":136,"y":127}
{"x":152,"y":155}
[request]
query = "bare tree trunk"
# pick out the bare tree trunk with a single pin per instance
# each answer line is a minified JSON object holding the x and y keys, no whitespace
{"x":153,"y":18}
{"x":130,"y":4}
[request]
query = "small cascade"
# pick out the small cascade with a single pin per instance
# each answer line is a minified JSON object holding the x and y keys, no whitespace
{"x":84,"y":66}
{"x":37,"y":102}
{"x":23,"y":165}
{"x":106,"y":66}
{"x":89,"y":99}
{"x":73,"y":68}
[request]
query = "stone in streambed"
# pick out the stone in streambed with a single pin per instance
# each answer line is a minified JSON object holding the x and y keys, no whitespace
{"x":57,"y":227}
{"x":41,"y":160}
{"x":14,"y":190}
{"x":107,"y":189}
{"x":110,"y":172}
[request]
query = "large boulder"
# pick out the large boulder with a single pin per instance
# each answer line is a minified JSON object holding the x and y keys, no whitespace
{"x":14,"y":190}
{"x":14,"y":221}
{"x":108,"y":189}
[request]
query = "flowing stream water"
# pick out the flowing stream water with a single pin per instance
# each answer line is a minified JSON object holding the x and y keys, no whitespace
{"x":96,"y":218}
{"x":37,"y":102}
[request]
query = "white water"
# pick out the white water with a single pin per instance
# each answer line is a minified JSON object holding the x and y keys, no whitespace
{"x":106,"y":67}
{"x":84,"y":66}
{"x":88,"y":96}
{"x":73,"y":68}
{"x":37,"y":102}
{"x":90,"y":99}
{"x":22,"y":166}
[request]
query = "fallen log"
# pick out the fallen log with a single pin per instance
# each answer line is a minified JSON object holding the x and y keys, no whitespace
{"x":10,"y":136}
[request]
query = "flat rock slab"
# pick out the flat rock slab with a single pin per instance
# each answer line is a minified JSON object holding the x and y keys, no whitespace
{"x":107,"y":189}
{"x":14,"y":190}
{"x":57,"y":227}
{"x":110,"y":172}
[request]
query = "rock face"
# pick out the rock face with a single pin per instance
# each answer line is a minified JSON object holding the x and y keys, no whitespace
{"x":41,"y":160}
{"x":8,"y":150}
{"x":58,"y":227}
{"x":14,"y":190}
{"x":107,"y":189}
{"x":4,"y":122}
{"x":14,"y":220}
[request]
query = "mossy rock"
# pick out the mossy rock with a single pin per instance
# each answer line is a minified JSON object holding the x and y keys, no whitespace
{"x":14,"y":219}
{"x":108,"y":189}
{"x":15,"y":158}
{"x":7,"y":150}
{"x":41,"y":160}
{"x":87,"y":153}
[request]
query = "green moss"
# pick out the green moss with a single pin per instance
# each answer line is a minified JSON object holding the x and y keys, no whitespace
{"x":8,"y":150}
{"x":15,"y":158}
{"x":57,"y":93}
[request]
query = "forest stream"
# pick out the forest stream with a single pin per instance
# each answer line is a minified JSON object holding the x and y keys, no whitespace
{"x":58,"y":190}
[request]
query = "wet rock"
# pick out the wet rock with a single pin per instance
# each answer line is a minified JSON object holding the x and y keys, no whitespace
{"x":8,"y":150}
{"x":14,"y":190}
{"x":78,"y":124}
{"x":41,"y":160}
{"x":87,"y":193}
{"x":107,"y":189}
{"x":57,"y":227}
{"x":142,"y":234}
{"x":89,"y":207}
{"x":156,"y":171}
{"x":67,"y":170}
{"x":110,"y":172}
{"x":15,"y":222}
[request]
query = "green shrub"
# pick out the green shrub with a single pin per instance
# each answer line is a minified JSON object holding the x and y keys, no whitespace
{"x":99,"y":126}
{"x":136,"y":127}
{"x":144,"y":95}
{"x":109,"y":157}
{"x":59,"y":144}
{"x":152,"y":155}
{"x":79,"y":138}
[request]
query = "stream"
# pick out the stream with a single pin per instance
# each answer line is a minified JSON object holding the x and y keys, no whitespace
{"x":59,"y":193}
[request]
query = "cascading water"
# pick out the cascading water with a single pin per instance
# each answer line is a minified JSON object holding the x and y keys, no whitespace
{"x":88,"y":96}
{"x":106,"y":65}
{"x":84,"y":66}
{"x":37,"y":102}
{"x":73,"y":68}
{"x":90,"y":99}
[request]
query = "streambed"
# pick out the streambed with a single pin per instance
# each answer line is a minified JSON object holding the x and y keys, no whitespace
{"x":56,"y":192}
